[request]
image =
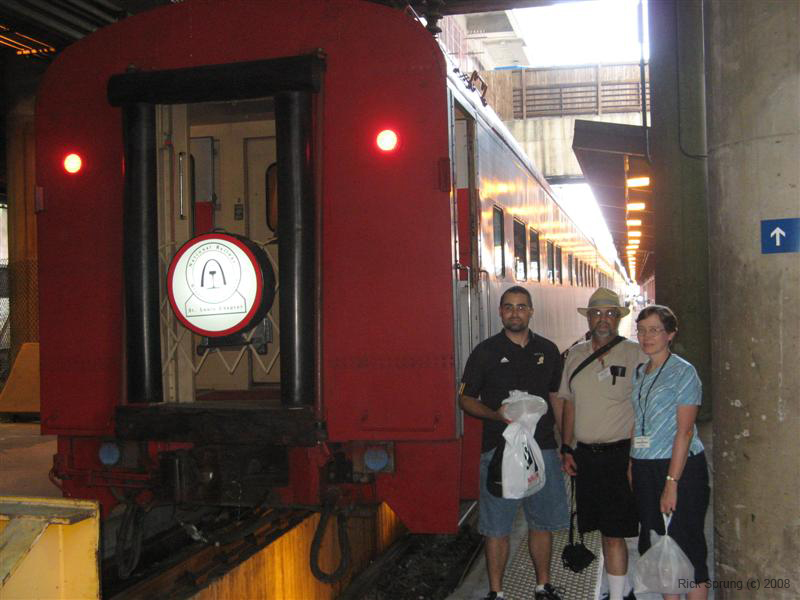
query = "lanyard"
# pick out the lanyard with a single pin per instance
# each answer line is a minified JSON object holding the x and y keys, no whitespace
{"x":650,"y":389}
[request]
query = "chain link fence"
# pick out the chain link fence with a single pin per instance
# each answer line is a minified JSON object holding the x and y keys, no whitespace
{"x":19,"y":322}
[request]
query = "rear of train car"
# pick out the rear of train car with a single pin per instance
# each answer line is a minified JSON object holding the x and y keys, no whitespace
{"x":256,"y":124}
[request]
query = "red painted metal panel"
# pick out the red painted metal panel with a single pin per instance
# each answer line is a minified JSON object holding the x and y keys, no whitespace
{"x":386,"y":251}
{"x":385,"y":223}
{"x":203,"y":217}
{"x":424,"y":490}
{"x":470,"y":457}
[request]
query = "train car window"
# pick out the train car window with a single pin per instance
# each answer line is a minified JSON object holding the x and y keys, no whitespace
{"x":520,"y":258}
{"x":570,"y":267}
{"x":551,"y":260}
{"x":499,"y":242}
{"x":535,"y":271}
{"x":559,"y":265}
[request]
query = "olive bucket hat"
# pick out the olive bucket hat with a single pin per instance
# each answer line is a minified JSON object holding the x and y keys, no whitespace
{"x":604,"y":298}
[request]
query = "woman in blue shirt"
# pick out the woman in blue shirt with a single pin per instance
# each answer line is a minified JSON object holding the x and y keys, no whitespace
{"x":668,"y":466}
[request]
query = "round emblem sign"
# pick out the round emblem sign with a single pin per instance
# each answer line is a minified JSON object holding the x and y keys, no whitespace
{"x":220,"y":284}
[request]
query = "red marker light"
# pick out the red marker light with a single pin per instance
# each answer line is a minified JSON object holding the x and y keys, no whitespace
{"x":72,"y":163}
{"x":386,"y":140}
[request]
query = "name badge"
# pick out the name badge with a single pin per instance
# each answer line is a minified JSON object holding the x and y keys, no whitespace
{"x":641,"y":441}
{"x":604,"y":374}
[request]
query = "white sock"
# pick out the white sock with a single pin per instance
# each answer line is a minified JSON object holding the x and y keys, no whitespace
{"x":616,"y":583}
{"x":500,"y":595}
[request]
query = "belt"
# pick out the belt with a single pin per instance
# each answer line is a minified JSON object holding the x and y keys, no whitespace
{"x":609,"y":447}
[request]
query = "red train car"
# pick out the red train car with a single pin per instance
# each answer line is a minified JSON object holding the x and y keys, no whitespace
{"x":351,"y":277}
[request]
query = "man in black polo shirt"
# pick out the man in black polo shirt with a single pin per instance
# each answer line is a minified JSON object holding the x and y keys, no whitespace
{"x":517,"y":359}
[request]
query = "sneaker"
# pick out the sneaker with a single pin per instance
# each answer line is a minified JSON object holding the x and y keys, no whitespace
{"x":548,"y":593}
{"x":490,"y":596}
{"x":630,"y":596}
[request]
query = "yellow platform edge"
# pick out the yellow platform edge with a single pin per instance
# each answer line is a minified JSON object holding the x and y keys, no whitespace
{"x":49,"y":548}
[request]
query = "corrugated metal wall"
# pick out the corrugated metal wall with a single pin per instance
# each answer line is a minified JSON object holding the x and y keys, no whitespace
{"x":539,"y":106}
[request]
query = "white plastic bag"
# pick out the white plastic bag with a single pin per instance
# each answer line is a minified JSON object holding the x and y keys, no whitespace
{"x":664,"y":568}
{"x":523,"y":467}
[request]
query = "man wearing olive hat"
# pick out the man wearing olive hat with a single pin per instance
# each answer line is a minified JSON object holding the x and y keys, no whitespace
{"x":596,"y":432}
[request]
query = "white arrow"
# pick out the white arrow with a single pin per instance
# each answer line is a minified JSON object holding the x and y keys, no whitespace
{"x":777,"y":233}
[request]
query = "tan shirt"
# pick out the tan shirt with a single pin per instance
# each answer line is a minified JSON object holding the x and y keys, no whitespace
{"x":603,"y":407}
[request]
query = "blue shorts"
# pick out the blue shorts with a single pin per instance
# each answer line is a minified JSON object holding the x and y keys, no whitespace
{"x":546,"y":510}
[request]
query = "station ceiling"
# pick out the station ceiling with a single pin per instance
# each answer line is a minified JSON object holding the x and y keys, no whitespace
{"x":41,"y":28}
{"x":610,"y":154}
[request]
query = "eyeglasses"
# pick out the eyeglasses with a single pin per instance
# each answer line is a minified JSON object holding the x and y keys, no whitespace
{"x":595,"y":313}
{"x":643,"y":331}
{"x":517,"y":307}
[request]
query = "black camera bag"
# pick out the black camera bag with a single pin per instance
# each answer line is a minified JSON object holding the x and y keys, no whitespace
{"x":575,"y":556}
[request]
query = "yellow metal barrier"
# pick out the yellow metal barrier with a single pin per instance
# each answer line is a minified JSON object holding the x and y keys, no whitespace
{"x":20,"y":394}
{"x":49,"y":548}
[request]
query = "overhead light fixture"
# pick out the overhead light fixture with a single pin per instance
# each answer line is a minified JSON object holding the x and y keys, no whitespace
{"x":631,"y":252}
{"x":636,"y":206}
{"x":634,"y":182}
{"x":633,"y":244}
{"x":634,"y":222}
{"x":24,"y":45}
{"x":635,"y":234}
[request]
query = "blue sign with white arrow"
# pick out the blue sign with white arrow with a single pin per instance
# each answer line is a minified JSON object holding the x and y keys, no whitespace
{"x":780,"y":235}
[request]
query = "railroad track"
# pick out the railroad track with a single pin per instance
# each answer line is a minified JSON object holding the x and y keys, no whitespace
{"x":420,"y":566}
{"x":177,"y":566}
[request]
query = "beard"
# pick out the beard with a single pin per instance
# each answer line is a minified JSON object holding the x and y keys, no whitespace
{"x":603,"y":331}
{"x":515,"y":326}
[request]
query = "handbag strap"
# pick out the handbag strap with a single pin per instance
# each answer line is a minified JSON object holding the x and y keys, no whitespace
{"x":572,"y":512}
{"x":599,"y":352}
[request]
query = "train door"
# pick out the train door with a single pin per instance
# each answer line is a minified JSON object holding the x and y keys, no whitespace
{"x":468,"y":313}
{"x":469,"y":317}
{"x":215,"y":174}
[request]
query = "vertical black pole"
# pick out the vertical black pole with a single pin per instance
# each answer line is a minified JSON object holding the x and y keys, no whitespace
{"x":296,"y":247}
{"x":140,"y":255}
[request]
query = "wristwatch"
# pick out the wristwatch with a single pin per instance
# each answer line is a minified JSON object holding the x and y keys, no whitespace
{"x":565,"y":449}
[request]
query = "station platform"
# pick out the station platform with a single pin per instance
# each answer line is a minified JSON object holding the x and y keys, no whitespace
{"x":26,"y":457}
{"x":520,"y":578}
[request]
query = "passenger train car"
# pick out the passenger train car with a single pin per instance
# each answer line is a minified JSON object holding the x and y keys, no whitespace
{"x":282,"y":228}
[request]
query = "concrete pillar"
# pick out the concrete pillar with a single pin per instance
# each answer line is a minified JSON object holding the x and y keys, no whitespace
{"x":753,"y":83}
{"x":677,"y":149}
